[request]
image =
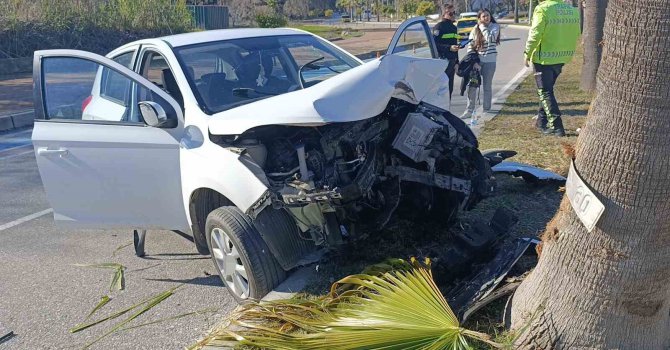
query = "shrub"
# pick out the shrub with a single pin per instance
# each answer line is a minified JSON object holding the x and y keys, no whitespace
{"x":269,"y":20}
{"x":328,"y":13}
{"x":91,"y":25}
{"x":425,"y":8}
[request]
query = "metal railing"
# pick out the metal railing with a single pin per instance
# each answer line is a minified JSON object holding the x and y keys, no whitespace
{"x":209,"y":16}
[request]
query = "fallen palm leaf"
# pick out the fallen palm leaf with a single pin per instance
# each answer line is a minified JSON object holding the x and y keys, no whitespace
{"x":103,"y":301}
{"x":172,"y":318}
{"x":81,"y":327}
{"x":121,"y":247}
{"x":118,"y":278}
{"x":398,"y":309}
{"x":148,"y":305}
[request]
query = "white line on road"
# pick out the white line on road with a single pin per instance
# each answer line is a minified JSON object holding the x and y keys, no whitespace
{"x":25,"y":219}
{"x":15,"y":148}
{"x":512,"y":83}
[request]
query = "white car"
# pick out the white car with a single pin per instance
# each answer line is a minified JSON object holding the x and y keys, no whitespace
{"x":266,"y":145}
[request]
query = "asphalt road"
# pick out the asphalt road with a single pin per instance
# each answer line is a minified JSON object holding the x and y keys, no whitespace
{"x":43,"y":293}
{"x":509,"y":66}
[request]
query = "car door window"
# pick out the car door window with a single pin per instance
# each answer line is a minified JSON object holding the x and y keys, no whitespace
{"x":413,"y":38}
{"x":413,"y":42}
{"x":125,"y":59}
{"x":115,"y":86}
{"x":80,"y":90}
{"x":156,"y":69}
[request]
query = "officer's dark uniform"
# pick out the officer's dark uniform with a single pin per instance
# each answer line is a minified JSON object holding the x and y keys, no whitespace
{"x":446,"y":34}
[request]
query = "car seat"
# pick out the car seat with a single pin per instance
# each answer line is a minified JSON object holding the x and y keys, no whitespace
{"x":217,"y":90}
{"x":170,"y":85}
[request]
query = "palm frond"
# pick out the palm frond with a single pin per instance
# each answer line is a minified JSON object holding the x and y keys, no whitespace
{"x":398,"y":306}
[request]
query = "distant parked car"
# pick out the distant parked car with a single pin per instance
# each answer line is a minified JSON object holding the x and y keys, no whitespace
{"x":502,"y":14}
{"x":465,"y":25}
{"x":265,"y":144}
{"x":346,"y":17}
{"x":467,"y":15}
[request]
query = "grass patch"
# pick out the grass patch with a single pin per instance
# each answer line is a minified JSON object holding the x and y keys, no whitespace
{"x":515,"y":129}
{"x":330,"y":32}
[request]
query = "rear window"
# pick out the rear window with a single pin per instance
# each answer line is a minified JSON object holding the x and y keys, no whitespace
{"x":466,"y":24}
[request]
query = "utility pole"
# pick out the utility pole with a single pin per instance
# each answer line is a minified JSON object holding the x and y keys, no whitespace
{"x":516,"y":11}
{"x":530,"y":11}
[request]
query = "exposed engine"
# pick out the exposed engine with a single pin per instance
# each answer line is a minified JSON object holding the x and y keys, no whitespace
{"x":341,"y":178}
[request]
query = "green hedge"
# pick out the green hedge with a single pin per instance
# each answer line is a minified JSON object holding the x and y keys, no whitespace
{"x":92,"y":25}
{"x":270,"y":20}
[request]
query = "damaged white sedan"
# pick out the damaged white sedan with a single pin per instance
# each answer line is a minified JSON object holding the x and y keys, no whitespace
{"x":266,"y":144}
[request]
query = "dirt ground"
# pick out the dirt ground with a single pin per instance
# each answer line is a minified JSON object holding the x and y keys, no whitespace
{"x":16,"y":91}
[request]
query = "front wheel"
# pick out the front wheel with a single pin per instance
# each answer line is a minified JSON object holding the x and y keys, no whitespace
{"x":244,"y":262}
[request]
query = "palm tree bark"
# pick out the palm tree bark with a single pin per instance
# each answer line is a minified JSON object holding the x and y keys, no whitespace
{"x":610,"y":288}
{"x":594,"y":23}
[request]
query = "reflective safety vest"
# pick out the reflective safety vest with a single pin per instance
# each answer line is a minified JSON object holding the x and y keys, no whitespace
{"x":554,"y":33}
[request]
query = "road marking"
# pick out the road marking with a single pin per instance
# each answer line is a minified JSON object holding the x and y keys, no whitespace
{"x":16,"y":154}
{"x":512,"y":83}
{"x":25,"y":219}
{"x":7,"y":150}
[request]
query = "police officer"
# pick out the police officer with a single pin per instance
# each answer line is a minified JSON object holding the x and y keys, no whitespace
{"x":446,"y":38}
{"x":551,"y":44}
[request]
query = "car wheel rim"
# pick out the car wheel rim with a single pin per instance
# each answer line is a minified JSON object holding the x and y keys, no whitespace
{"x":228,"y":261}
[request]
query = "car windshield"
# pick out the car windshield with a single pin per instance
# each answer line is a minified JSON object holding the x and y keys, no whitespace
{"x":466,"y":24}
{"x":230,"y":73}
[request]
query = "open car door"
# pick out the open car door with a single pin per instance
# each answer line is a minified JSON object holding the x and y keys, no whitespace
{"x":413,"y":38}
{"x":107,"y":143}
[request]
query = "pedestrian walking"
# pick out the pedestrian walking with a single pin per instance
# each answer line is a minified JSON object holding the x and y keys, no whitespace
{"x":446,"y":38}
{"x":551,"y":44}
{"x":484,"y":39}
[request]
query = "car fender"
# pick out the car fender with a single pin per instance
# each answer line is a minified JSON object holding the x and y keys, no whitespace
{"x":224,"y":171}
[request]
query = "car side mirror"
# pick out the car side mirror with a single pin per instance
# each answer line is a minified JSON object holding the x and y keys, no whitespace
{"x":153,"y":114}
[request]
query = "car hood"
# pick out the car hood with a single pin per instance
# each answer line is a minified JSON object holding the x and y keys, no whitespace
{"x":359,"y":93}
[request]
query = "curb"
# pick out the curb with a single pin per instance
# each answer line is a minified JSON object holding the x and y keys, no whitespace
{"x":16,"y":120}
{"x":518,"y":26}
{"x":295,"y":283}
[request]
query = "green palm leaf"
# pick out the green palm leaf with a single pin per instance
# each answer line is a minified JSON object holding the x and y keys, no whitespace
{"x":397,"y":307}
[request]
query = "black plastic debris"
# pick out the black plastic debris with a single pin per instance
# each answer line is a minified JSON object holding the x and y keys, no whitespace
{"x":5,"y":334}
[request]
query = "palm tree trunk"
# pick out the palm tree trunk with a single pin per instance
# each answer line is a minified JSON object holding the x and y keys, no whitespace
{"x":594,"y":23}
{"x":610,"y":288}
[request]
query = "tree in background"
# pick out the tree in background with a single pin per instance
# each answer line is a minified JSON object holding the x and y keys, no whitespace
{"x":592,"y":37}
{"x":297,"y":8}
{"x":608,"y":288}
{"x":425,"y":8}
{"x":407,"y":7}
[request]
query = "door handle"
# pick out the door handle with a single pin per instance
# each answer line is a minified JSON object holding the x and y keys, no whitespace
{"x":43,"y":151}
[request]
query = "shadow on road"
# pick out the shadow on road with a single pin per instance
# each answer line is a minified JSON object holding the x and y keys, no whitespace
{"x":212,"y":280}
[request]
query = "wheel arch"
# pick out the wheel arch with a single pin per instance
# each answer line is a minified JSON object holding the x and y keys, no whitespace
{"x":203,"y":201}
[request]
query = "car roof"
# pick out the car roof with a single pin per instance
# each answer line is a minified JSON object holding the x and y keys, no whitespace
{"x":227,"y":34}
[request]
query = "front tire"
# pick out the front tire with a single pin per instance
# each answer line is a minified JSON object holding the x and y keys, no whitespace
{"x":244,"y":262}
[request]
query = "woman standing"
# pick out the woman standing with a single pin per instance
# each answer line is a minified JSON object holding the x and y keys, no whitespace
{"x":484,"y":39}
{"x":446,"y":38}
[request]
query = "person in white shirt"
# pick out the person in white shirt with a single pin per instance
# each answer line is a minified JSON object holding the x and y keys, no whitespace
{"x":484,"y":39}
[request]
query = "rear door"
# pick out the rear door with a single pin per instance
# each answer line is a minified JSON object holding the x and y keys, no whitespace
{"x":101,"y":165}
{"x":413,"y":38}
